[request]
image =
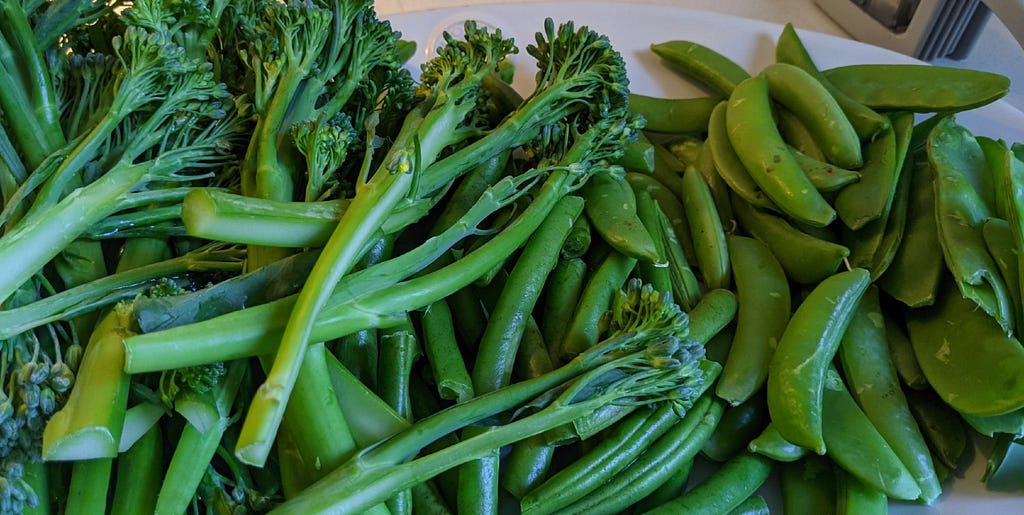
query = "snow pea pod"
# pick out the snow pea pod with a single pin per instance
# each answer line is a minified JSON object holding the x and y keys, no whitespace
{"x":673,"y":115}
{"x":967,"y":357}
{"x":709,"y":67}
{"x":957,"y":159}
{"x":999,"y":241}
{"x":789,"y":48}
{"x":761,"y":149}
{"x":853,"y":497}
{"x":825,"y":176}
{"x":804,"y":96}
{"x":903,"y":358}
{"x":762,"y":314}
{"x":808,"y":485}
{"x":941,"y":425}
{"x":917,"y":266}
{"x":796,"y":374}
{"x":918,"y":87}
{"x":870,"y":198}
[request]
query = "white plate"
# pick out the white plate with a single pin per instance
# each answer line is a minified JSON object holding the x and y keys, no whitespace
{"x":632,"y":28}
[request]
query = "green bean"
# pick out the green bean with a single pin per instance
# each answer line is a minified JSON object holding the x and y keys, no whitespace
{"x":871,"y":374}
{"x":607,"y":279}
{"x":723,"y":490}
{"x":766,"y":156}
{"x":728,"y":164}
{"x":942,"y":427}
{"x":968,"y":359}
{"x":808,"y":485}
{"x":764,"y":306}
{"x":771,"y":444}
{"x":796,"y":374}
{"x":753,"y":505}
{"x":673,"y":115}
{"x":740,"y":424}
{"x":627,"y":440}
{"x":805,"y":258}
{"x":673,"y":487}
{"x":427,"y":500}
{"x":858,"y":448}
{"x":561,"y":295}
{"x":676,"y":447}
{"x":918,"y":87}
{"x":956,"y":157}
{"x":611,"y":208}
{"x":853,"y":497}
{"x":870,"y":198}
{"x":917,"y":266}
{"x":443,"y":354}
{"x":497,"y":350}
{"x":468,"y":315}
{"x":804,"y":96}
{"x":907,"y":368}
{"x":656,"y":273}
{"x":790,"y":49}
{"x":709,"y":67}
{"x":716,"y":309}
{"x":706,"y":228}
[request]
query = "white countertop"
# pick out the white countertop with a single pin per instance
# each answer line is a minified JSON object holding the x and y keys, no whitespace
{"x":995,"y":50}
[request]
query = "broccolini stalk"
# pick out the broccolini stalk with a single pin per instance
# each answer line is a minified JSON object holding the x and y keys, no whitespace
{"x":446,"y":116}
{"x":654,"y":363}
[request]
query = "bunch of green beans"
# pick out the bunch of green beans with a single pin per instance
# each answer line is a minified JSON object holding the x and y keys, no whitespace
{"x":872,"y":245}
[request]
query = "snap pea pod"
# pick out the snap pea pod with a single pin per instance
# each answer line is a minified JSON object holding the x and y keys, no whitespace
{"x":771,"y":444}
{"x":724,"y":489}
{"x":807,"y":98}
{"x":789,"y":48}
{"x":870,"y":198}
{"x":577,"y":243}
{"x":716,"y":309}
{"x":942,"y":427}
{"x":627,"y":440}
{"x":706,"y":229}
{"x":638,"y":155}
{"x":853,"y":497}
{"x":561,"y":295}
{"x":728,"y":164}
{"x":753,"y":505}
{"x":685,"y":286}
{"x":763,"y":311}
{"x":739,"y":425}
{"x":707,"y":66}
{"x":796,"y":374}
{"x":857,"y":447}
{"x":720,"y":191}
{"x":808,"y":485}
{"x":656,"y":273}
{"x":528,"y":461}
{"x":595,"y":298}
{"x":871,"y":374}
{"x":611,"y":209}
{"x":825,"y":176}
{"x":673,"y":115}
{"x":968,"y":359}
{"x":874,"y":245}
{"x":919,"y":88}
{"x":667,"y":200}
{"x":796,"y":134}
{"x":805,"y":258}
{"x":917,"y":266}
{"x":766,"y":156}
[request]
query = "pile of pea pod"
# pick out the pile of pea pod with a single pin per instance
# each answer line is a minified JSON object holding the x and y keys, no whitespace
{"x":872,"y":248}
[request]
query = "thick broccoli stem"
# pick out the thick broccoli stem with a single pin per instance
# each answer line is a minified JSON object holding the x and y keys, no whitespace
{"x":257,"y":330}
{"x":138,"y":475}
{"x":90,"y":482}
